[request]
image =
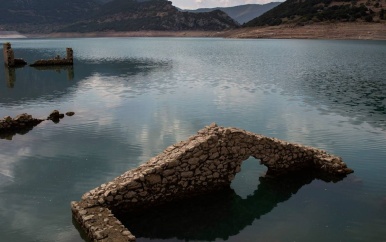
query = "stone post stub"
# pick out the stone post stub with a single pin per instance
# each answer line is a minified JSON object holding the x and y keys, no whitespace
{"x":6,"y":47}
{"x":203,"y":163}
{"x":69,"y":54}
{"x":9,"y":56}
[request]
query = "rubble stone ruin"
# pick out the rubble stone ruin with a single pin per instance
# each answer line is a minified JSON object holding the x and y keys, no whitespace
{"x":9,"y":57}
{"x":11,"y":61}
{"x":203,"y":163}
{"x":57,"y":61}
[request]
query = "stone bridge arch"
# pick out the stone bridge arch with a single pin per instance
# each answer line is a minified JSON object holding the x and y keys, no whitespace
{"x":203,"y":163}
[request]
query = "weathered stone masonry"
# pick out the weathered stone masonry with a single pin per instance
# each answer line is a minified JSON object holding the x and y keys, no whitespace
{"x":9,"y":57}
{"x":57,"y":61}
{"x":11,"y":61}
{"x":205,"y":162}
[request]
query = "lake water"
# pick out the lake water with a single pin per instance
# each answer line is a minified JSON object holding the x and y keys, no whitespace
{"x":133,"y":97}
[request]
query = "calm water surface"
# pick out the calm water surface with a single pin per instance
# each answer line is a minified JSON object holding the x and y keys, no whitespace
{"x":133,"y":97}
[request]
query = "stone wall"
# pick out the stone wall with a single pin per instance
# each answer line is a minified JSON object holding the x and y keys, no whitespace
{"x":9,"y":57}
{"x":205,"y":162}
{"x":11,"y":61}
{"x":69,"y":54}
{"x":57,"y":61}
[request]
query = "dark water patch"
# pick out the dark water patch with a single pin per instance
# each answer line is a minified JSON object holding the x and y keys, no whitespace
{"x":219,"y":215}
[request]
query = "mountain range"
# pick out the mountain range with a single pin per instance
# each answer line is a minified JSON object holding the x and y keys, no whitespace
{"x":42,"y":16}
{"x":134,"y":15}
{"x":243,"y":13}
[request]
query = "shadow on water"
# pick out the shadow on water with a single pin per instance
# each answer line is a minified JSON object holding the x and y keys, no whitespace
{"x":217,"y":215}
{"x":10,"y":76}
{"x":10,"y":72}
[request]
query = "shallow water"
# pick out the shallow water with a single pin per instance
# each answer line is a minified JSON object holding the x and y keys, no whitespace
{"x":133,"y":97}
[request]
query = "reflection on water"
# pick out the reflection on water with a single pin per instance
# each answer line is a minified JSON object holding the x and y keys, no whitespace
{"x":10,"y":76}
{"x":336,"y":81}
{"x":10,"y":72}
{"x":68,"y":68}
{"x":42,"y":84}
{"x":218,"y":215}
{"x":7,"y":135}
{"x":349,"y":90}
{"x":136,"y":96}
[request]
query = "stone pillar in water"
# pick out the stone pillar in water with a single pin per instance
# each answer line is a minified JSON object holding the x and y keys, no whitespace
{"x":9,"y":57}
{"x":70,"y":54}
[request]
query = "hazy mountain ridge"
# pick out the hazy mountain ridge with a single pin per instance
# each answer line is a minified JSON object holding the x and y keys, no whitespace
{"x":243,"y":13}
{"x":315,"y":11}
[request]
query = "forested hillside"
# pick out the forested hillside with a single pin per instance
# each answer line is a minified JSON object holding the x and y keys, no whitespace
{"x":311,"y":11}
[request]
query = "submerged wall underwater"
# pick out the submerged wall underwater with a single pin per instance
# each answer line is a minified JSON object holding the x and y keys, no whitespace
{"x":203,"y":163}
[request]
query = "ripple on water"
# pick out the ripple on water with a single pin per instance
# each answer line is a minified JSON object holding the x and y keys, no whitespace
{"x":151,"y":93}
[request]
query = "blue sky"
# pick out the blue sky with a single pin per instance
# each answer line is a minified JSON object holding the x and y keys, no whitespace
{"x":194,"y":4}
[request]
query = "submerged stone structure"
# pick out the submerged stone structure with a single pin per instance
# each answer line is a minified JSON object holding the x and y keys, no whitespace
{"x":57,"y":61}
{"x":11,"y":61}
{"x":204,"y":163}
{"x":9,"y":57}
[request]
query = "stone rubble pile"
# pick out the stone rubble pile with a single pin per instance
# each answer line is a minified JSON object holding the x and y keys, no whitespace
{"x":23,"y":123}
{"x":19,"y":122}
{"x":205,"y":162}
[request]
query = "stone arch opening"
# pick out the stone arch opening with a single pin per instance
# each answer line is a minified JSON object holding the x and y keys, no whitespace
{"x":247,"y":180}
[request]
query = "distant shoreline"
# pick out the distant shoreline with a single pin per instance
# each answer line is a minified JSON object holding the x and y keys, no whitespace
{"x":341,"y":31}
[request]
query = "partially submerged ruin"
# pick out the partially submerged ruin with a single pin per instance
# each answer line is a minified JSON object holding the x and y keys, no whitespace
{"x":57,"y":61}
{"x":9,"y":57}
{"x":203,"y":163}
{"x":11,"y":61}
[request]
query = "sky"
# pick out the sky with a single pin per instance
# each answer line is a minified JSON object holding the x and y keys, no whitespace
{"x":194,"y":4}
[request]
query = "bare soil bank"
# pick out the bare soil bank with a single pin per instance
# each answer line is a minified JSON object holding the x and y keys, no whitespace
{"x":375,"y":31}
{"x":355,"y":31}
